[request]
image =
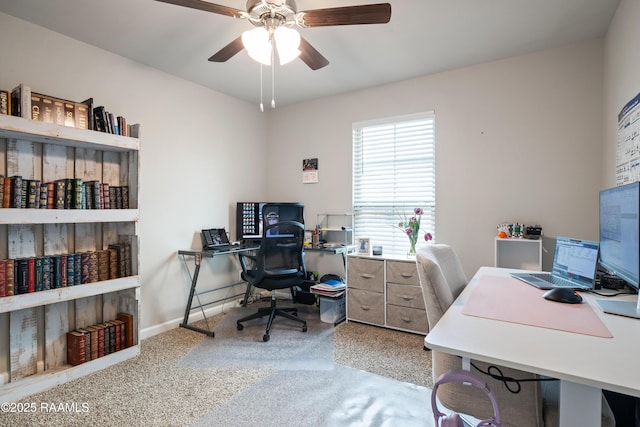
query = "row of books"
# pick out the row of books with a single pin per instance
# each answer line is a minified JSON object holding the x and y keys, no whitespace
{"x":41,"y":273}
{"x":66,"y":193}
{"x":104,"y":121}
{"x":23,"y":102}
{"x":99,"y":340}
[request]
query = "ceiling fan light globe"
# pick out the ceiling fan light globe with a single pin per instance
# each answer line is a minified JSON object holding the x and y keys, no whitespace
{"x":258,"y":45}
{"x":260,"y":57}
{"x":287,"y":57}
{"x":287,"y":43}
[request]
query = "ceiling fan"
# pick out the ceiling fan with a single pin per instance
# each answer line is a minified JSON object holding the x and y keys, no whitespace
{"x":274,"y":20}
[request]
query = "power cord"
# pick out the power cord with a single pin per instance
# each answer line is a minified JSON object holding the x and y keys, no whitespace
{"x":611,"y":295}
{"x":509,"y":382}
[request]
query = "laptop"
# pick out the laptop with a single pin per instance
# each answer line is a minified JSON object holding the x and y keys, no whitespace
{"x":215,"y":239}
{"x":574,"y":266}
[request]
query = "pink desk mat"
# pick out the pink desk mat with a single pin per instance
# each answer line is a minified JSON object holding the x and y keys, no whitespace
{"x":509,"y":300}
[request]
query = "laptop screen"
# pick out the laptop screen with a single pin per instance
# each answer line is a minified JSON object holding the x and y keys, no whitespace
{"x":576,"y":259}
{"x":219,"y":237}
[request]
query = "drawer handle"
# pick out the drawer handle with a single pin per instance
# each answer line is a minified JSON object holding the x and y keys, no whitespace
{"x":406,"y":320}
{"x":367,"y":276}
{"x":365,"y":307}
{"x":407,"y":275}
{"x":407,"y":298}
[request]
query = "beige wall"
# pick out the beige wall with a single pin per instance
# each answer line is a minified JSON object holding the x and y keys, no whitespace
{"x":191,"y":145}
{"x":517,"y":140}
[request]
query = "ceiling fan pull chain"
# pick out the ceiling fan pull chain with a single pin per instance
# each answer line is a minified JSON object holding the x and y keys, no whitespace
{"x":261,"y":104}
{"x":273,"y":73}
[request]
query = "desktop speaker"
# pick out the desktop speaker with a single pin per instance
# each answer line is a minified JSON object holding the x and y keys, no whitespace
{"x":454,"y":420}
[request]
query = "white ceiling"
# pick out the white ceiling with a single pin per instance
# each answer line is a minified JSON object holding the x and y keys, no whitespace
{"x":423,"y":37}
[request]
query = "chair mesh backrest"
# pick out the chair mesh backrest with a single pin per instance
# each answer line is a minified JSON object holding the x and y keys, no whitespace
{"x":441,"y":277}
{"x":282,"y":240}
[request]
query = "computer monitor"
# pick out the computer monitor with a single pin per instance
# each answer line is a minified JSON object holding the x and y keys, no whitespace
{"x":249,"y":220}
{"x":620,"y":232}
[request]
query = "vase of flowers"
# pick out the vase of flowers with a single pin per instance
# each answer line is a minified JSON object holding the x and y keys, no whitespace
{"x":411,"y":227}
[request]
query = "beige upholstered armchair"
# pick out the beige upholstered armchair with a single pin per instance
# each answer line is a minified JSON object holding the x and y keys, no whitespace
{"x":442,"y":279}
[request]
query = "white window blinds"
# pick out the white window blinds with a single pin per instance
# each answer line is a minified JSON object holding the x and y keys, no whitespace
{"x":393,"y":173}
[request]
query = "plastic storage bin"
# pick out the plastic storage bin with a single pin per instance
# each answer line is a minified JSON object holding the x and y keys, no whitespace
{"x":332,"y":310}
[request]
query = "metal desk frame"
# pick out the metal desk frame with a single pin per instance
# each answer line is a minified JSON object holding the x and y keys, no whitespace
{"x":197,"y":257}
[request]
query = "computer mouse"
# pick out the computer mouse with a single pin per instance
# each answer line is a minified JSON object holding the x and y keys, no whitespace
{"x":566,"y":295}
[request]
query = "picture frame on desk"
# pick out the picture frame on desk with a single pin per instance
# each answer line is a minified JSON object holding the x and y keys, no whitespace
{"x":364,"y":246}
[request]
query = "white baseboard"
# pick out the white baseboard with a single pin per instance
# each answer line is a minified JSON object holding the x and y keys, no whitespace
{"x":194,"y":317}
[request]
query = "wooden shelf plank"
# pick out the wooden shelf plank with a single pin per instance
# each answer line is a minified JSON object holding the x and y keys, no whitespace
{"x":36,"y":299}
{"x":66,"y":216}
{"x":12,"y":392}
{"x":23,"y":129}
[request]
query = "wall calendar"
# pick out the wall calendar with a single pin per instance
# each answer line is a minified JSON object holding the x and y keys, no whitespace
{"x":628,"y":144}
{"x":310,"y":171}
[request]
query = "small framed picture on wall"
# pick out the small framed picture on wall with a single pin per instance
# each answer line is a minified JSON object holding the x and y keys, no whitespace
{"x":364,"y":247}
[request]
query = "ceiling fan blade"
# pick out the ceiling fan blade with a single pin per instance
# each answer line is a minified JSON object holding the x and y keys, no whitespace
{"x":348,"y":15}
{"x":207,"y":7}
{"x":310,"y":56}
{"x":228,"y":51}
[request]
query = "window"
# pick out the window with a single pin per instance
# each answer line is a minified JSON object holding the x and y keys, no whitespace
{"x":393,"y":173}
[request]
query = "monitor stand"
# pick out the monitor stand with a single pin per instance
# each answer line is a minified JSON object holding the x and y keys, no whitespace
{"x":621,"y":308}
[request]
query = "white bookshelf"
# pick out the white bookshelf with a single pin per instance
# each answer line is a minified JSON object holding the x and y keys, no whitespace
{"x":33,"y":326}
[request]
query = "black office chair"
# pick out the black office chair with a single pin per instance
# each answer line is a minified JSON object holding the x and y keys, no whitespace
{"x":279,"y":263}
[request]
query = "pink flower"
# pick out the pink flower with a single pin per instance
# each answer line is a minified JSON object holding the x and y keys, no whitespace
{"x":411,"y":227}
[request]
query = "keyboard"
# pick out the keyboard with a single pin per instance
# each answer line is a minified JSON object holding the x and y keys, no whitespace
{"x":554,"y":280}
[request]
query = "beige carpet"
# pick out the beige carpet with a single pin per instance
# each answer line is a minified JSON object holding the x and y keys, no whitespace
{"x":151,"y":390}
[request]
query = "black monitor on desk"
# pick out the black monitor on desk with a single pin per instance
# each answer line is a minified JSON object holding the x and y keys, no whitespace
{"x":249,"y":221}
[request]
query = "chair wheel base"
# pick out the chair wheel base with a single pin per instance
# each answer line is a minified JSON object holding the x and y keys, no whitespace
{"x":272,"y":312}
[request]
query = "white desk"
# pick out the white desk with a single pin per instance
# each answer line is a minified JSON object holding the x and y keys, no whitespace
{"x":584,"y":364}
